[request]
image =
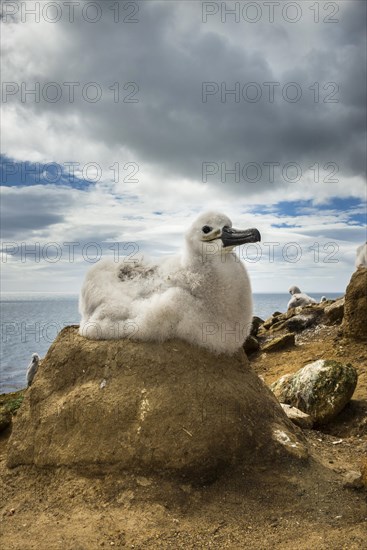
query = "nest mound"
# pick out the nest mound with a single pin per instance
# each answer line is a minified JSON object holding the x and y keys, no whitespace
{"x":169,"y":408}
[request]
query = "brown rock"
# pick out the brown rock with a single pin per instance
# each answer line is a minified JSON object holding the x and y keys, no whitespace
{"x":278,"y":325}
{"x":353,"y":480}
{"x":268,"y":322}
{"x":298,"y":417}
{"x":251,"y":345}
{"x":9,"y":404}
{"x":169,"y":408}
{"x":302,"y":321}
{"x":5,"y":419}
{"x":334,"y":312}
{"x":280,"y":343}
{"x":256,"y":324}
{"x":355,"y":307}
{"x":364,"y":471}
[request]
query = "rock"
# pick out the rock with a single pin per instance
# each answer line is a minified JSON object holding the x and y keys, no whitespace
{"x":5,"y":419}
{"x":268,"y":322}
{"x":280,"y":343}
{"x":9,"y":404}
{"x":276,"y":317}
{"x":278,"y":325}
{"x":256,"y":323}
{"x":296,"y":322}
{"x":353,"y":480}
{"x":334,"y":312}
{"x":298,"y":417}
{"x":364,"y":471}
{"x":320,"y":389}
{"x":251,"y":345}
{"x":302,"y":321}
{"x":306,"y":310}
{"x":167,"y":408}
{"x":355,"y":307}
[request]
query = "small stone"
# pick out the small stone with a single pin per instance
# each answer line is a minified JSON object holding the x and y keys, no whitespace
{"x":298,"y":417}
{"x":353,"y":480}
{"x":280,"y":343}
{"x":143,"y":481}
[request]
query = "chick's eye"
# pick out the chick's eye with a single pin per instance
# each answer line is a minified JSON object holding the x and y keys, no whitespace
{"x":206,"y":229}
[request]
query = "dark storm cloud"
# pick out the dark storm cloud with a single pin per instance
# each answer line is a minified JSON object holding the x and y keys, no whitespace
{"x":170,"y":53}
{"x":24,"y":211}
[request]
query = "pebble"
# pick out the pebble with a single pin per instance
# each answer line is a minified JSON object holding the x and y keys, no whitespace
{"x":298,"y":417}
{"x":353,"y":480}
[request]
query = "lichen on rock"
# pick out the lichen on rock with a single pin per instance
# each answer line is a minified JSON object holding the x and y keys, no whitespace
{"x":320,"y":389}
{"x":9,"y":405}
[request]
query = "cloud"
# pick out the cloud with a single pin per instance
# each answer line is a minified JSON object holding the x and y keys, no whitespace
{"x":168,"y":55}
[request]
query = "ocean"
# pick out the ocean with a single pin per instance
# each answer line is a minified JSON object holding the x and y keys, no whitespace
{"x":30,"y":323}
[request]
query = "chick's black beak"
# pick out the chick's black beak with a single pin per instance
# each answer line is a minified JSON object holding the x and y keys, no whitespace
{"x":235,"y":237}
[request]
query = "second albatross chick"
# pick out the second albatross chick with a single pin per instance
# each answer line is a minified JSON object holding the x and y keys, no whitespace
{"x":202,"y":296}
{"x":299,"y":298}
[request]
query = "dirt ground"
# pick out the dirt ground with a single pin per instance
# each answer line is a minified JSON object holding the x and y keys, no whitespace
{"x":285,"y":508}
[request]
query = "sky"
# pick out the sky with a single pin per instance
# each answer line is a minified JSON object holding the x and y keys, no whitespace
{"x":122,"y":121}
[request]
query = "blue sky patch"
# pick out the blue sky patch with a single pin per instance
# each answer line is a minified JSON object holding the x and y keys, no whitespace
{"x":24,"y":173}
{"x":353,"y":210}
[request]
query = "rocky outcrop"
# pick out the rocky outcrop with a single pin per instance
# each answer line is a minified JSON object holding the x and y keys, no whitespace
{"x":320,"y":389}
{"x":303,"y":317}
{"x":294,"y":320}
{"x":170,"y":408}
{"x":355,"y":308}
